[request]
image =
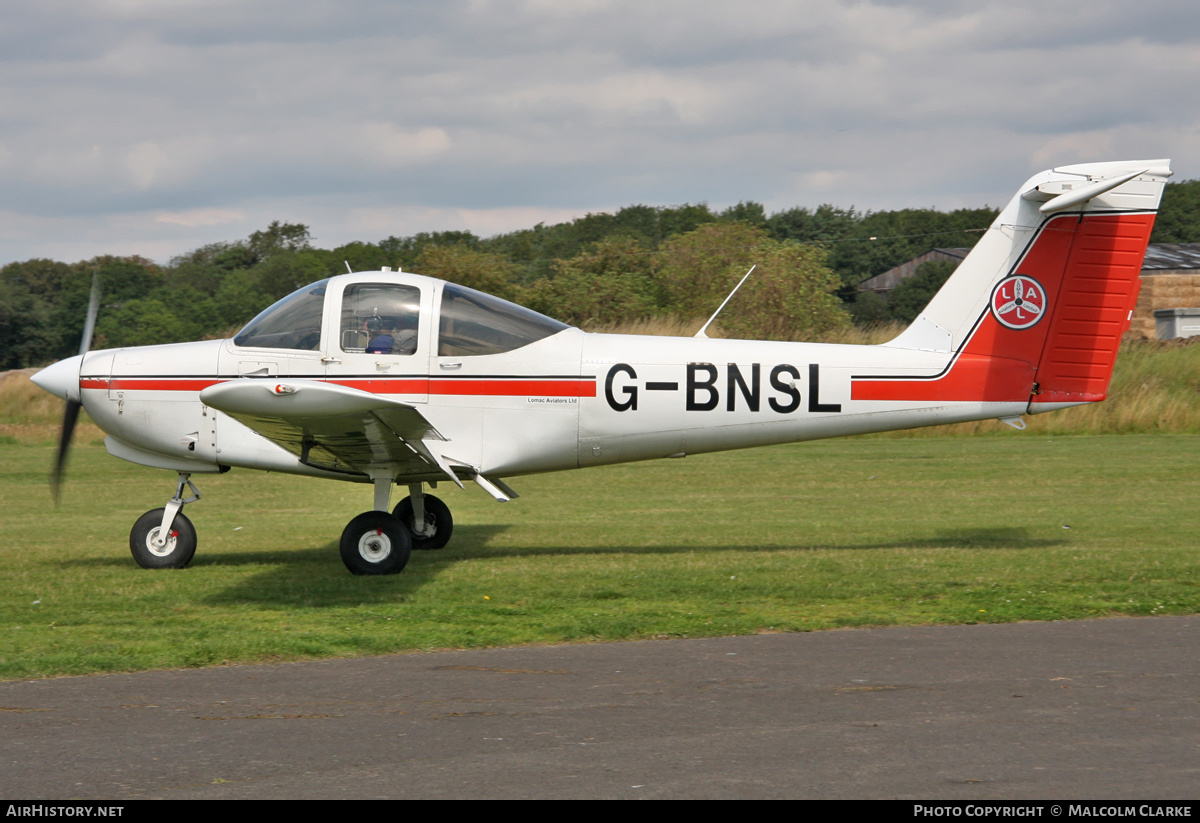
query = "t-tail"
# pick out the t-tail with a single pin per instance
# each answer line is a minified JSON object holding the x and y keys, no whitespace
{"x":1036,"y":311}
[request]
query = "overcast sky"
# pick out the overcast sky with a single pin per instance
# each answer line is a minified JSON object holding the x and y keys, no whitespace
{"x":153,"y":127}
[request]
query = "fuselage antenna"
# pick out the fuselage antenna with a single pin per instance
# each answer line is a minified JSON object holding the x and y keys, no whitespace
{"x":727,"y":299}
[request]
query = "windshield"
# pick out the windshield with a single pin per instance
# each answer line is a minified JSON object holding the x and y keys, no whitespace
{"x":474,"y":323}
{"x":292,"y":323}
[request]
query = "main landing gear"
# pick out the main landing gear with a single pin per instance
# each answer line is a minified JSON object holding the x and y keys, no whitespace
{"x":375,"y":542}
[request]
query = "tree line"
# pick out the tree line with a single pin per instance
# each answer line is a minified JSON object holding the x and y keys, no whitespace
{"x":640,"y":261}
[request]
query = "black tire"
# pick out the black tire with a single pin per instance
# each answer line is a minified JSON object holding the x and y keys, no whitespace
{"x":375,"y":543}
{"x":180,"y":548}
{"x":439,"y":525}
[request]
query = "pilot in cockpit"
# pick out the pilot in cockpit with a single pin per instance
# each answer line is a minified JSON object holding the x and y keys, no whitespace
{"x":392,"y":334}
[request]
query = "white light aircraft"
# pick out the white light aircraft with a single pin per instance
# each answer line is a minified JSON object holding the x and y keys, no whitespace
{"x":390,"y":378}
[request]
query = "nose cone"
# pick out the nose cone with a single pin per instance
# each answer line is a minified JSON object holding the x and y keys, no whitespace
{"x":61,"y":379}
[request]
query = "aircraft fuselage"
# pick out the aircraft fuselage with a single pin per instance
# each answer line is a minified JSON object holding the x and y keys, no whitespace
{"x":569,"y":401}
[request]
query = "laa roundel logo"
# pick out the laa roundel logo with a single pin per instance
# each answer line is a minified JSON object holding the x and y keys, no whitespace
{"x":1019,"y":301}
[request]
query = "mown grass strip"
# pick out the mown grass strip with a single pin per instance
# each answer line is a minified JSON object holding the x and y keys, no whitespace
{"x":865,"y":532}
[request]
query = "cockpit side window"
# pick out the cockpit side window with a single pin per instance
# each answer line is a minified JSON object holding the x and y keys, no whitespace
{"x":380,"y":318}
{"x":291,"y":323}
{"x":474,"y":323}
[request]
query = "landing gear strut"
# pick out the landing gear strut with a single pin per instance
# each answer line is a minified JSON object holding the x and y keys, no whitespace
{"x":379,"y":542}
{"x":165,"y":538}
{"x":376,"y":542}
{"x":427,"y":517}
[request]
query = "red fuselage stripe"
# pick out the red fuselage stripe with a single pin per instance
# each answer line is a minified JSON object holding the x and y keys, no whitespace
{"x":490,"y":387}
{"x":509,"y":388}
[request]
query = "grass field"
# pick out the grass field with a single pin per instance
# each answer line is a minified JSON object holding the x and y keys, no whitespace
{"x":865,"y":532}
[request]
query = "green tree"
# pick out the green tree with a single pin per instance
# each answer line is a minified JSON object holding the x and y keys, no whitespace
{"x":41,"y":277}
{"x":909,"y":298}
{"x":746,"y":211}
{"x":882,"y":240}
{"x":827,"y":224}
{"x":30,"y":331}
{"x":122,"y":279}
{"x":404,"y":251}
{"x":145,"y":322}
{"x":683,"y":219}
{"x":869,"y":309}
{"x":205,"y":268}
{"x":609,"y":282}
{"x":360,"y":256}
{"x":27,"y":336}
{"x":239,"y":299}
{"x":790,"y":295}
{"x":474,"y":269}
{"x":279,"y":237}
{"x":1178,"y":218}
{"x":697,"y":270}
{"x":285,"y":271}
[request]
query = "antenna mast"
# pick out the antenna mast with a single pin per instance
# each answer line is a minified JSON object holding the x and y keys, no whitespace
{"x":727,"y":299}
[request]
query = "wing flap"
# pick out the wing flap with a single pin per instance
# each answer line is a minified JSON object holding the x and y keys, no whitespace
{"x":333,"y":427}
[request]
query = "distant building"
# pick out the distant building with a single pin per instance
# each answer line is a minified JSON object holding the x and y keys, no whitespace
{"x":881,"y":284}
{"x":1170,"y":280}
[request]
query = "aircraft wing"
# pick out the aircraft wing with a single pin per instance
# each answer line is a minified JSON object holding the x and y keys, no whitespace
{"x":334,"y":427}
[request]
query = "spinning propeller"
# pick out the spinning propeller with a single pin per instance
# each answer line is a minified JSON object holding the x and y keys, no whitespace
{"x":62,"y":379}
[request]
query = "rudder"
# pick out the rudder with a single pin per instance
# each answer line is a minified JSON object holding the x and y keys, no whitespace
{"x":1092,"y":310}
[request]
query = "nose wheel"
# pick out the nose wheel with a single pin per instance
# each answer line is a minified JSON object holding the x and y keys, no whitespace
{"x":151,"y":551}
{"x":165,"y":538}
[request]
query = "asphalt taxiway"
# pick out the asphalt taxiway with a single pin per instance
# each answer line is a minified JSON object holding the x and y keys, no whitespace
{"x":1098,"y":709}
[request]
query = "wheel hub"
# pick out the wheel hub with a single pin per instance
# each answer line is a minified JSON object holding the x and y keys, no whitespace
{"x":167,"y":547}
{"x":374,"y":546}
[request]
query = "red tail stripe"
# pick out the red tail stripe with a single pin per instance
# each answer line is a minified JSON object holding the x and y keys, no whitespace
{"x":1090,"y":270}
{"x":973,"y":377}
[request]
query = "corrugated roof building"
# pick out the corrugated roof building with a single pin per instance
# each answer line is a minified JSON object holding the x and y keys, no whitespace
{"x":1170,"y":280}
{"x":881,"y":284}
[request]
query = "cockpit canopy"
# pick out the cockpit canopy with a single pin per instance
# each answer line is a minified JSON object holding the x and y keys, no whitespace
{"x":385,"y":318}
{"x":291,"y":323}
{"x":474,"y":323}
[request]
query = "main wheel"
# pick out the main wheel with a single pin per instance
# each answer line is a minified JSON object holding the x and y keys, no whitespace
{"x":439,"y":525}
{"x":375,"y":543}
{"x":180,"y":546}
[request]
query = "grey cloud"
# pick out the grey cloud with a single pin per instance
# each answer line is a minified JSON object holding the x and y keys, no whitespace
{"x":120,"y":111}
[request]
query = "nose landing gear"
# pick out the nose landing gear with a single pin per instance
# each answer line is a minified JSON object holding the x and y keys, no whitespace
{"x":165,"y":538}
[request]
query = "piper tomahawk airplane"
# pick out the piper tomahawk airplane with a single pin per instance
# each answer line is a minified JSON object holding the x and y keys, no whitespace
{"x":393,"y":378}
